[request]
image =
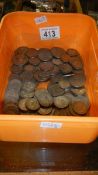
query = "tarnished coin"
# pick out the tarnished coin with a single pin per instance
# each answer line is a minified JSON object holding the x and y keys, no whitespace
{"x":29,"y":86}
{"x":41,"y":76}
{"x":44,"y":98}
{"x":22,"y":104}
{"x":65,"y":58}
{"x":33,"y":104}
{"x":77,"y":81}
{"x":56,"y":61}
{"x":14,"y":76}
{"x":57,"y":52}
{"x":26,"y":76}
{"x":76,"y":63}
{"x":71,"y":111}
{"x":70,"y":97}
{"x":46,"y":66}
{"x":21,"y":50}
{"x":10,"y":108}
{"x":64,"y":83}
{"x":61,"y":102}
{"x":80,"y":107}
{"x":65,"y":68}
{"x":26,"y":94}
{"x":45,"y":54}
{"x":72,"y":52}
{"x":34,"y":61}
{"x":15,"y":85}
{"x":60,"y":112}
{"x":55,"y":71}
{"x":45,"y":111}
{"x":29,"y":68}
{"x":16,"y":69}
{"x":79,"y":91}
{"x":55,"y":90}
{"x":56,"y":79}
{"x":11,"y":95}
{"x":20,"y":60}
{"x":32,"y":53}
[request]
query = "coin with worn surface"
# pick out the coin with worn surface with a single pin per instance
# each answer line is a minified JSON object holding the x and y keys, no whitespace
{"x":29,"y":86}
{"x":55,"y":71}
{"x":61,"y":102}
{"x":57,"y":52}
{"x":60,"y":112}
{"x":10,"y":108}
{"x":34,"y":61}
{"x":11,"y":95}
{"x":45,"y":111}
{"x":20,"y":60}
{"x":55,"y":90}
{"x":64,"y":83}
{"x":29,"y":68}
{"x":44,"y":98}
{"x":26,"y":76}
{"x":16,"y":69}
{"x":79,"y":91}
{"x":44,"y":54}
{"x":21,"y":50}
{"x":55,"y":79}
{"x":22,"y":104}
{"x":71,"y":111}
{"x":31,"y":53}
{"x":56,"y":61}
{"x":80,"y":107}
{"x":14,"y":76}
{"x":46,"y":66}
{"x":77,"y":81}
{"x":72,"y":52}
{"x":76,"y":63}
{"x":41,"y":76}
{"x":33,"y":104}
{"x":65,"y":58}
{"x":65,"y":68}
{"x":14,"y":84}
{"x":26,"y":94}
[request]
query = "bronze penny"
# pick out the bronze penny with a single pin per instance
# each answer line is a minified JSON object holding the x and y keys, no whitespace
{"x":65,"y":68}
{"x":79,"y":91}
{"x":20,"y":60}
{"x":34,"y":61}
{"x":70,"y":97}
{"x":72,"y":52}
{"x":29,"y":68}
{"x":60,"y":112}
{"x":57,"y":52}
{"x":31,"y":53}
{"x":10,"y":108}
{"x":80,"y":107}
{"x":76,"y":63}
{"x":21,"y":50}
{"x":33,"y":104}
{"x":29,"y":86}
{"x":55,"y":71}
{"x":64,"y":83}
{"x":26,"y":94}
{"x":15,"y":85}
{"x":55,"y":90}
{"x":45,"y":111}
{"x":22,"y":104}
{"x":45,"y":54}
{"x":65,"y":58}
{"x":77,"y":81}
{"x":44,"y":98}
{"x":61,"y":102}
{"x":14,"y":76}
{"x":72,"y":113}
{"x":41,"y":76}
{"x":55,"y":79}
{"x":26,"y":76}
{"x":56,"y":61}
{"x":16,"y":69}
{"x":11,"y":95}
{"x":46,"y":66}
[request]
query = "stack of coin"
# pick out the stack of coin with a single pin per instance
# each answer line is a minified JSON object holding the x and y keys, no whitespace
{"x":63,"y":72}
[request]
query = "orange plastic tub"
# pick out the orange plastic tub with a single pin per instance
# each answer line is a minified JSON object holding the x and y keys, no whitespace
{"x":76,"y":31}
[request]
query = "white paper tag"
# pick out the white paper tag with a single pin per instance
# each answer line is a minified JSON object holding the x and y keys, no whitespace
{"x":49,"y":33}
{"x":41,"y":19}
{"x":50,"y":125}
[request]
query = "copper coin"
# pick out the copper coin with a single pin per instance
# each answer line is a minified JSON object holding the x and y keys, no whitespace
{"x":10,"y":108}
{"x":45,"y":111}
{"x":15,"y":85}
{"x":21,"y":50}
{"x":44,"y":98}
{"x":76,"y":63}
{"x":40,"y":76}
{"x":57,"y":52}
{"x":22,"y":104}
{"x":11,"y":95}
{"x":77,"y":81}
{"x":26,"y":94}
{"x":14,"y":76}
{"x":65,"y":58}
{"x":29,"y":68}
{"x":33,"y":104}
{"x":44,"y":76}
{"x":64,"y":83}
{"x":16,"y":69}
{"x":72,"y":52}
{"x":79,"y":91}
{"x":70,"y":97}
{"x":55,"y":79}
{"x":60,"y":112}
{"x":65,"y":68}
{"x":55,"y":71}
{"x":20,"y":60}
{"x":55,"y":90}
{"x":44,"y":54}
{"x":56,"y":61}
{"x":29,"y":86}
{"x":31,"y":53}
{"x":61,"y":102}
{"x":34,"y":61}
{"x":80,"y":107}
{"x":26,"y":76}
{"x":46,"y":66}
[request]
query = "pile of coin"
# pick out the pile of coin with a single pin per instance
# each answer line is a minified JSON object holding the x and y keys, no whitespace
{"x":46,"y":82}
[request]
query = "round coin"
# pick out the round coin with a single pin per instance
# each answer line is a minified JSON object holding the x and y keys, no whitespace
{"x":72,"y":52}
{"x":64,"y":83}
{"x":46,"y":66}
{"x":65,"y":58}
{"x":55,"y":90}
{"x":33,"y":104}
{"x":79,"y":91}
{"x":20,"y":60}
{"x":65,"y":68}
{"x":21,"y":50}
{"x":31,"y":53}
{"x":45,"y":54}
{"x":10,"y":108}
{"x":60,"y":112}
{"x":45,"y":111}
{"x":26,"y":76}
{"x":61,"y":102}
{"x":56,"y":61}
{"x":22,"y":104}
{"x":16,"y":69}
{"x":34,"y":61}
{"x":76,"y":63}
{"x":29,"y":68}
{"x":26,"y":94}
{"x":29,"y":86}
{"x":57,"y":52}
{"x":11,"y":95}
{"x":14,"y":84}
{"x":77,"y":81}
{"x":55,"y":71}
{"x":80,"y":107}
